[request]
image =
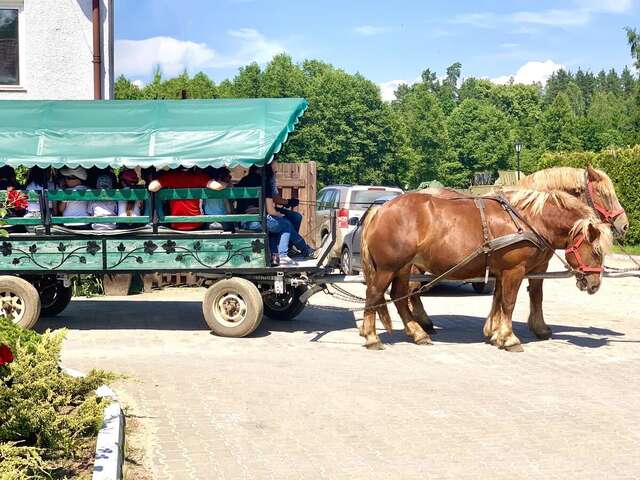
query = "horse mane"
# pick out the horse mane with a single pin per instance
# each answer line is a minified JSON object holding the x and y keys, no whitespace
{"x":535,"y":201}
{"x":568,"y":179}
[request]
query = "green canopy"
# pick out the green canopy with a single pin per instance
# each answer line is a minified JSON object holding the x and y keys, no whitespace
{"x":160,"y":133}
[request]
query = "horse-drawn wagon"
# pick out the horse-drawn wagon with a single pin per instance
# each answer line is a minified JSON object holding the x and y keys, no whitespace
{"x":36,"y":263}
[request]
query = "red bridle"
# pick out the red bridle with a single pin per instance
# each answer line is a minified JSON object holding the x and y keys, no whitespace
{"x":582,"y":267}
{"x":607,"y":215}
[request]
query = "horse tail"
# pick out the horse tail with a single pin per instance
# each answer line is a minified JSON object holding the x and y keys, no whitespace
{"x":368,"y":263}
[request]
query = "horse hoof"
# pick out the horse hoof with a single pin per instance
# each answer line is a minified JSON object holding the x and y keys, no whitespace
{"x":514,"y":348}
{"x":375,"y":346}
{"x":546,"y":335}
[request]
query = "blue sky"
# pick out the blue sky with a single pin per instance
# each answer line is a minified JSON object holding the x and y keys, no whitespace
{"x":388,"y":42}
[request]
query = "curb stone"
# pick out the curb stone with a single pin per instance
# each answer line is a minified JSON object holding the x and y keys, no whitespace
{"x":109,"y":455}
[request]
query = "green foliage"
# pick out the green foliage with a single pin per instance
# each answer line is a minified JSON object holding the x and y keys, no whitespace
{"x":622,"y":165}
{"x":46,"y":416}
{"x":87,"y":285}
{"x":430,"y":131}
{"x":559,"y":125}
{"x":479,"y":137}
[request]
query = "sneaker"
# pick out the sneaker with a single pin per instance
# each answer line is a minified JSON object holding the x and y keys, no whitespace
{"x":286,"y":261}
{"x":275,"y":260}
{"x":310,"y":254}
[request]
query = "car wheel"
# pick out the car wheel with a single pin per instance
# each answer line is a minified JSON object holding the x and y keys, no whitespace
{"x":345,"y":261}
{"x":484,"y":288}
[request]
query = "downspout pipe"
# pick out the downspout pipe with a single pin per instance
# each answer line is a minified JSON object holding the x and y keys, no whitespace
{"x":97,"y":52}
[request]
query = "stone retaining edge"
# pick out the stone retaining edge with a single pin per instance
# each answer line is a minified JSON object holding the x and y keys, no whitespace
{"x":109,"y":456}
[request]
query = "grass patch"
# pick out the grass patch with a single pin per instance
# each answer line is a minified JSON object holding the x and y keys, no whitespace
{"x":630,"y":249}
{"x":48,"y":419}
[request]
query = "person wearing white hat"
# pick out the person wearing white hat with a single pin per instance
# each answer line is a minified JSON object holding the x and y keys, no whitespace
{"x":73,"y":180}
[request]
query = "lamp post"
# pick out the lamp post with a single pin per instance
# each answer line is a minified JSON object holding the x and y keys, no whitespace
{"x":518,"y":147}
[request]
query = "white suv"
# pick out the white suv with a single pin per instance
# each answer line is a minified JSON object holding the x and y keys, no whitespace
{"x":348,"y":201}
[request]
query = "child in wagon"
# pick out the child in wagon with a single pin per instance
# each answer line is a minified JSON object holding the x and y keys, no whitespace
{"x":74,"y":179}
{"x":105,"y":180}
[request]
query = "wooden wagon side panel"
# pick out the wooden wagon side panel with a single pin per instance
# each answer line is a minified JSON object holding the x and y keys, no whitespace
{"x":299,"y":180}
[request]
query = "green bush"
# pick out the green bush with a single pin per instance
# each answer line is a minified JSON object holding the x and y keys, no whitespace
{"x":622,"y":165}
{"x":47,"y":417}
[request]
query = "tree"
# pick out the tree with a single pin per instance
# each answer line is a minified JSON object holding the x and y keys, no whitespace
{"x":559,"y":125}
{"x":634,"y":44}
{"x":201,"y":86}
{"x":282,"y":78}
{"x":126,"y":90}
{"x":479,"y":134}
{"x":248,"y":82}
{"x":426,"y":133}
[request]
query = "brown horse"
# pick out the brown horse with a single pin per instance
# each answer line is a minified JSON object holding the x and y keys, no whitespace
{"x":593,"y":187}
{"x":438,"y":233}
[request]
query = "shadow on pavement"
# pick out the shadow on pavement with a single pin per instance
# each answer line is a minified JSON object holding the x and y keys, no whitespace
{"x":128,"y":315}
{"x":187,"y":316}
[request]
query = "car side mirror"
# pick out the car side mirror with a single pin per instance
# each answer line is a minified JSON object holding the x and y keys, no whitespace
{"x":353,"y":221}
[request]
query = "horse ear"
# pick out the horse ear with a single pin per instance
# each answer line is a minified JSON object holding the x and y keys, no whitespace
{"x":594,"y":176}
{"x":592,"y":233}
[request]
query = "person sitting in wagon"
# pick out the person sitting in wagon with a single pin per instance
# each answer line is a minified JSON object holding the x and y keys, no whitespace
{"x":74,"y":179}
{"x":184,"y":178}
{"x":218,"y":206}
{"x":281,"y":231}
{"x":128,"y":179}
{"x":104,"y":180}
{"x":38,"y":179}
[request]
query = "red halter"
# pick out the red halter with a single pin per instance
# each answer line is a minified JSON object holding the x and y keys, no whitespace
{"x":607,"y":215}
{"x":582,"y":267}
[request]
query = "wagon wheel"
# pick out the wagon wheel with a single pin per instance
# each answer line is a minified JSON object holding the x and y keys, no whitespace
{"x":284,"y":307}
{"x":232,"y":307}
{"x":19,"y":301}
{"x":54,"y":298}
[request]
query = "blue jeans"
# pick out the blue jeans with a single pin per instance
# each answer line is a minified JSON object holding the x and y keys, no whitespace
{"x":281,"y":232}
{"x":294,"y":217}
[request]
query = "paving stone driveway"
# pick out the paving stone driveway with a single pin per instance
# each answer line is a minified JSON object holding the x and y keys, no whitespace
{"x":305,"y":400}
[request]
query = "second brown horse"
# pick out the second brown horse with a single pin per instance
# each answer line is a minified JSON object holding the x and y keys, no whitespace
{"x":436,"y":234}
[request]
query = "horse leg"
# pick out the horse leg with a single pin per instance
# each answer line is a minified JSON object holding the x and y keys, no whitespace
{"x":536,"y":319}
{"x":399,"y":289}
{"x":493,"y":320}
{"x":504,"y":337}
{"x":417,"y":309}
{"x":376,"y":286}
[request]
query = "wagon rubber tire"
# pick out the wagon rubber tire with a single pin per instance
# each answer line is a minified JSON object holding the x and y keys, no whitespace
{"x":346,"y":261}
{"x":286,"y":312}
{"x":19,"y":299}
{"x":233,"y":307}
{"x":59,"y":303}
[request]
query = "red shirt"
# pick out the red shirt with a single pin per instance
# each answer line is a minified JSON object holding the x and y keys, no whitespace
{"x":184,"y":208}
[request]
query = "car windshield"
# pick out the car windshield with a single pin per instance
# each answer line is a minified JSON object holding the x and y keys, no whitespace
{"x":362,"y":199}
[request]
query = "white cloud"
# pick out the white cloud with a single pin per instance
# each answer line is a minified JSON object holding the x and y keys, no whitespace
{"x":531,"y":72}
{"x":370,"y":30}
{"x":582,"y":14}
{"x":138,"y":83}
{"x":140,"y":57}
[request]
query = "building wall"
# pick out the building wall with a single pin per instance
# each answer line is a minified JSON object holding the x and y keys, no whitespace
{"x":57,"y":50}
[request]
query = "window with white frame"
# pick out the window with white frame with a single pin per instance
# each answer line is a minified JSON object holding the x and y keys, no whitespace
{"x":10,"y":36}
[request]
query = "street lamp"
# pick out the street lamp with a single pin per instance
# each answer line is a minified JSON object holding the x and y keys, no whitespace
{"x":518,"y":147}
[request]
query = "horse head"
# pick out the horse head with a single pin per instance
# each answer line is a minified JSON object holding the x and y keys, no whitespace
{"x":601,"y":196}
{"x":593,"y":187}
{"x":588,"y":244}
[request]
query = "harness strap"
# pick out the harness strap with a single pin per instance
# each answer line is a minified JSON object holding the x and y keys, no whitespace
{"x":485,"y":233}
{"x":607,"y":215}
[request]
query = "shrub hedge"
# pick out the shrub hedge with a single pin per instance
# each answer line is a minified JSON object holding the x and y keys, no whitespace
{"x":47,"y":418}
{"x":622,"y":165}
